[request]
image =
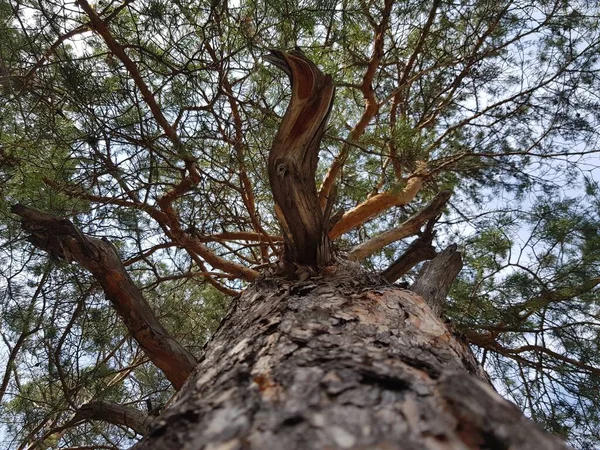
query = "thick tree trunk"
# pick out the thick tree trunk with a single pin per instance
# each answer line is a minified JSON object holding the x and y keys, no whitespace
{"x":339,"y":363}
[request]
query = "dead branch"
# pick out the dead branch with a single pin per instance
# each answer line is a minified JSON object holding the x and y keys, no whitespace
{"x":418,"y":251}
{"x":436,"y":277}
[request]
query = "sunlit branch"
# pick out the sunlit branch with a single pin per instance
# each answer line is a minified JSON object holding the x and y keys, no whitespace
{"x":376,"y":205}
{"x":407,"y":228}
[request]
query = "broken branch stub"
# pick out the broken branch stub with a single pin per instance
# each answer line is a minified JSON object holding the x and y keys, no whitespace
{"x":436,"y":277}
{"x":293,"y":161}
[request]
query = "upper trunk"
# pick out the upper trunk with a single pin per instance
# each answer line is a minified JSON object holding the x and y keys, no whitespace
{"x":339,"y":364}
{"x":293,"y":162}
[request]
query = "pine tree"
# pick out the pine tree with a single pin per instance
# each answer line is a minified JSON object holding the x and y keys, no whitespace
{"x":198,"y":215}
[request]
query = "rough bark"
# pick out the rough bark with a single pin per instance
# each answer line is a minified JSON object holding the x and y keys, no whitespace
{"x":436,"y":277}
{"x":63,"y":240}
{"x":293,"y":161}
{"x":339,"y":364}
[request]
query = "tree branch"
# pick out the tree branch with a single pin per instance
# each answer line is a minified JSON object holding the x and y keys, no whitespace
{"x":376,"y":205}
{"x":371,"y":105}
{"x":437,"y":276}
{"x":293,"y":161}
{"x":101,"y":27}
{"x":116,"y":414}
{"x":418,"y":251}
{"x":488,"y":341}
{"x":407,"y":228}
{"x":167,"y":218}
{"x":63,"y":240}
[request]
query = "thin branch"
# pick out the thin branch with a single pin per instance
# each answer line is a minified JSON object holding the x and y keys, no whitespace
{"x":371,"y":105}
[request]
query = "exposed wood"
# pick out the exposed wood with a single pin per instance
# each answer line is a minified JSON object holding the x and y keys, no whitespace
{"x":436,"y":277}
{"x":375,"y":206}
{"x":338,"y":364}
{"x":116,"y":414}
{"x":293,"y":161}
{"x":418,"y":251}
{"x":408,"y":228}
{"x":63,"y":240}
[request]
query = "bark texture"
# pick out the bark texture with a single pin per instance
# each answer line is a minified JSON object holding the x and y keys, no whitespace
{"x":339,"y":363}
{"x":62,"y":240}
{"x":293,"y":161}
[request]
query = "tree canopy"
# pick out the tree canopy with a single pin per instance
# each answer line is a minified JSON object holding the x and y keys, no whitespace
{"x":149,"y":123}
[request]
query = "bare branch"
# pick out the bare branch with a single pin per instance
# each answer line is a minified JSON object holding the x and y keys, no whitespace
{"x":375,"y":206}
{"x":418,"y":251}
{"x":407,"y":228}
{"x":116,"y":414}
{"x":437,"y":276}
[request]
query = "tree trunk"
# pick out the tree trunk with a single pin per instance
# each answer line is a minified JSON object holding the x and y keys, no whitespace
{"x":293,"y":163}
{"x":339,"y":363}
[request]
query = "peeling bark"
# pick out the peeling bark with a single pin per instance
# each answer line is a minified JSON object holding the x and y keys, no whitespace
{"x":340,"y":364}
{"x":375,"y":206}
{"x":62,"y":240}
{"x":293,"y":161}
